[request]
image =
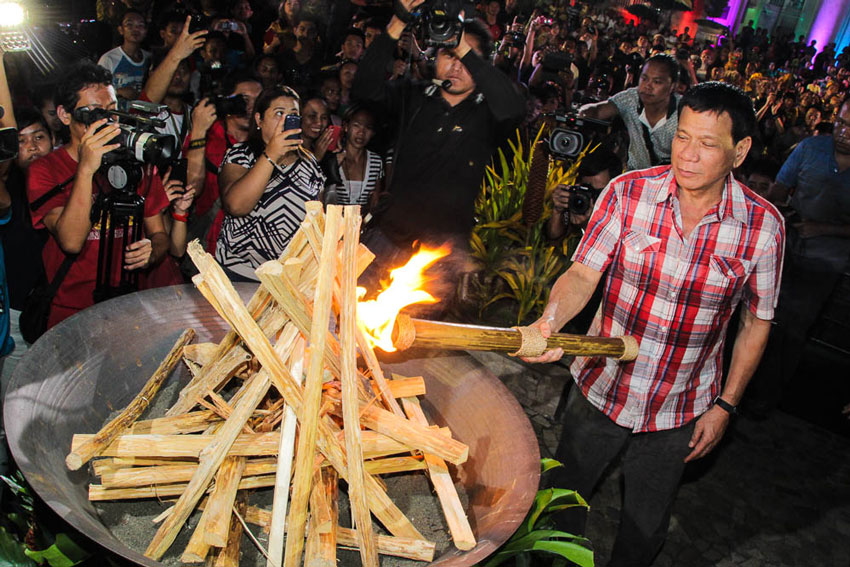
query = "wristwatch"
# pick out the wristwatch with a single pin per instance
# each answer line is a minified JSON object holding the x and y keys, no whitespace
{"x":726,"y":406}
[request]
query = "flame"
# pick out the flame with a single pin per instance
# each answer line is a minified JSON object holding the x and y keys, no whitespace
{"x":377,"y":316}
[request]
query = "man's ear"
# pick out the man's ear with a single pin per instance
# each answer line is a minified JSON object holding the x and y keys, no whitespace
{"x":742,"y":148}
{"x":63,"y":115}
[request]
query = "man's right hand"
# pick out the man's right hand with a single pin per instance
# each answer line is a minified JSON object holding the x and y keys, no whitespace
{"x":561,"y":198}
{"x":203,"y":117}
{"x":95,"y":144}
{"x":396,"y":26}
{"x":553,"y":355}
{"x":187,"y":43}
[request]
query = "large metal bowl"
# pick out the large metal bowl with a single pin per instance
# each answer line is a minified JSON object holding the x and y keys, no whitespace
{"x":97,"y":361}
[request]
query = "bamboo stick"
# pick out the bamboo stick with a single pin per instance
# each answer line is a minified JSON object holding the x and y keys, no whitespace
{"x":350,"y":401}
{"x":98,"y":492}
{"x":444,"y":486}
{"x":302,"y":478}
{"x":113,"y":464}
{"x":197,"y":549}
{"x":317,"y":551}
{"x":409,"y":333}
{"x":211,"y":377}
{"x":284,"y":471}
{"x":210,"y":461}
{"x":229,"y":556}
{"x":237,"y":314}
{"x":84,"y":453}
{"x":221,"y":501}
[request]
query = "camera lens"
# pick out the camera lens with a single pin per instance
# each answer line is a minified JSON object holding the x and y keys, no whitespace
{"x":579,"y":203}
{"x":566,"y":143}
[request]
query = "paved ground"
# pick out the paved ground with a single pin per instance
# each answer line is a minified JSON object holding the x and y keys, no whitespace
{"x":775,"y":493}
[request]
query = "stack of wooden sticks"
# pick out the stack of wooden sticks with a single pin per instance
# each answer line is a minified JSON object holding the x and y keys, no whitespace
{"x":291,"y":357}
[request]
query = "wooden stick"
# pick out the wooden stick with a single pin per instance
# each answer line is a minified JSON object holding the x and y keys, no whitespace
{"x":221,"y":501}
{"x":187,"y":423}
{"x":185,"y":446}
{"x":229,"y":555}
{"x":197,"y":549}
{"x":115,"y":464}
{"x":211,"y":377}
{"x":444,"y":486}
{"x":98,"y":492}
{"x":200,"y":353}
{"x":84,"y":453}
{"x":350,"y":401}
{"x":236,"y":313}
{"x":409,"y":333}
{"x":170,"y":474}
{"x":286,"y":454}
{"x":317,"y":551}
{"x":406,"y":387}
{"x":211,"y":459}
{"x":302,"y":478}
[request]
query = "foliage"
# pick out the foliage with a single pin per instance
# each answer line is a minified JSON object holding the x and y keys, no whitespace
{"x":28,"y":542}
{"x":537,"y":533}
{"x":515,"y":264}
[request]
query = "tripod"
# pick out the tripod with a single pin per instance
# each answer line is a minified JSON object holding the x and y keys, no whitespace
{"x":121,"y":214}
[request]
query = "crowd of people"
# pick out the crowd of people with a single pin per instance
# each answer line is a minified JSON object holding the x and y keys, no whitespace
{"x":271,"y":106}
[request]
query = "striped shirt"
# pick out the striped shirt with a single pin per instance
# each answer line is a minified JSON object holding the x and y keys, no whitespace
{"x":374,"y":173}
{"x":675,"y":295}
{"x":247,"y":242}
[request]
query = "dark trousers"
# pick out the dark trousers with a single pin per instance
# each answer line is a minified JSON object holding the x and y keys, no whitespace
{"x":652,"y":468}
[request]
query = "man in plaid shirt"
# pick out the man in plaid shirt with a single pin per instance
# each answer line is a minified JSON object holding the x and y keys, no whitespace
{"x":682,"y":246}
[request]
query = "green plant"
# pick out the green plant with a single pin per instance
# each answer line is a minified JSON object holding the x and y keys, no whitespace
{"x":515,"y":265}
{"x":28,"y":542}
{"x":537,"y":534}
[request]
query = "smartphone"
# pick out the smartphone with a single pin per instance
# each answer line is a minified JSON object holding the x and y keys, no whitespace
{"x":292,"y":122}
{"x":336,"y":134}
{"x":178,"y":170}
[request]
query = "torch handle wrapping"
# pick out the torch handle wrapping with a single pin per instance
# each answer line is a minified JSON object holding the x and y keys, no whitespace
{"x":420,"y":333}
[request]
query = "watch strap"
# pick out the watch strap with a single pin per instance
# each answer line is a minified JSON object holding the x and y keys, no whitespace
{"x":725,"y":406}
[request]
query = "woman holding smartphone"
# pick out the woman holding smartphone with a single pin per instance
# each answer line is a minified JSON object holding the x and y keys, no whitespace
{"x":265,"y":183}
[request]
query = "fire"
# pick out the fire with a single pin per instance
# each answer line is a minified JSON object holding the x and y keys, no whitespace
{"x":378,"y":315}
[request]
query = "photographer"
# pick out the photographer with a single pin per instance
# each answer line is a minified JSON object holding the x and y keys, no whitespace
{"x":447,"y":136}
{"x":648,"y":110}
{"x":209,"y":139}
{"x":67,"y":215}
{"x":572,"y":205}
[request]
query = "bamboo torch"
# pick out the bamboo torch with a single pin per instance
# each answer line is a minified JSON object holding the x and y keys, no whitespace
{"x":519,"y":341}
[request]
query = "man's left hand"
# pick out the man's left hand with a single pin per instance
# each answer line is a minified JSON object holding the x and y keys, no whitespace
{"x":138,"y":254}
{"x":708,"y":432}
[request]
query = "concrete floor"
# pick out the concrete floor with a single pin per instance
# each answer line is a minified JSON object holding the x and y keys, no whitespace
{"x":774,"y":493}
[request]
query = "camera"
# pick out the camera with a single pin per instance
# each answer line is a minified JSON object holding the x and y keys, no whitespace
{"x":556,"y":61}
{"x":440,"y":22}
{"x":572,"y":133}
{"x":212,"y":79}
{"x":233,"y":105}
{"x":8,"y":143}
{"x":581,"y":199}
{"x":138,"y":137}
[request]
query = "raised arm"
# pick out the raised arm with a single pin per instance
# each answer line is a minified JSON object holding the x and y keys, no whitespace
{"x":502,"y":97}
{"x":604,"y":110}
{"x":159,"y":79}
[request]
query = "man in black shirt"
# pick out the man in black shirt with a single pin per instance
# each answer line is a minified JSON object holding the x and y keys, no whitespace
{"x":447,"y":135}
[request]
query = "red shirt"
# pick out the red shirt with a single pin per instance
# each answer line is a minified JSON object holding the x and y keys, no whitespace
{"x":75,"y":292}
{"x":218,"y":142}
{"x":675,"y":295}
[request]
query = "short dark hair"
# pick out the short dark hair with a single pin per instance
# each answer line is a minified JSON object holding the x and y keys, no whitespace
{"x":476,"y":27}
{"x":27,"y":116}
{"x":234,"y":79}
{"x":129,"y":11}
{"x":599,"y":160}
{"x":667,"y":61}
{"x":354,"y":31}
{"x":80,"y":75}
{"x":172,"y":17}
{"x":717,"y":97}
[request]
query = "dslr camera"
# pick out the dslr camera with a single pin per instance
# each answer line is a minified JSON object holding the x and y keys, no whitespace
{"x":581,"y":198}
{"x":140,"y":143}
{"x":439,"y":22}
{"x":232,"y":105}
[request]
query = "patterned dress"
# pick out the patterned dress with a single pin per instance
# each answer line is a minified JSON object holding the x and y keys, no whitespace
{"x":247,"y":242}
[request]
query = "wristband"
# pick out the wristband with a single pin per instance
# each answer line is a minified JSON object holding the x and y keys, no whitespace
{"x":402,"y":13}
{"x":180,"y":217}
{"x":725,"y":406}
{"x":196,"y":144}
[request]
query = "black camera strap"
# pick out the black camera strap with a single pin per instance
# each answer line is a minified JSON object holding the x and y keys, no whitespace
{"x":402,"y":13}
{"x":38,"y":203}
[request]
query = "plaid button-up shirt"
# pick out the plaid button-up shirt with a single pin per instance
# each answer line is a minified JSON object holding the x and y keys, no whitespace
{"x":674,"y":293}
